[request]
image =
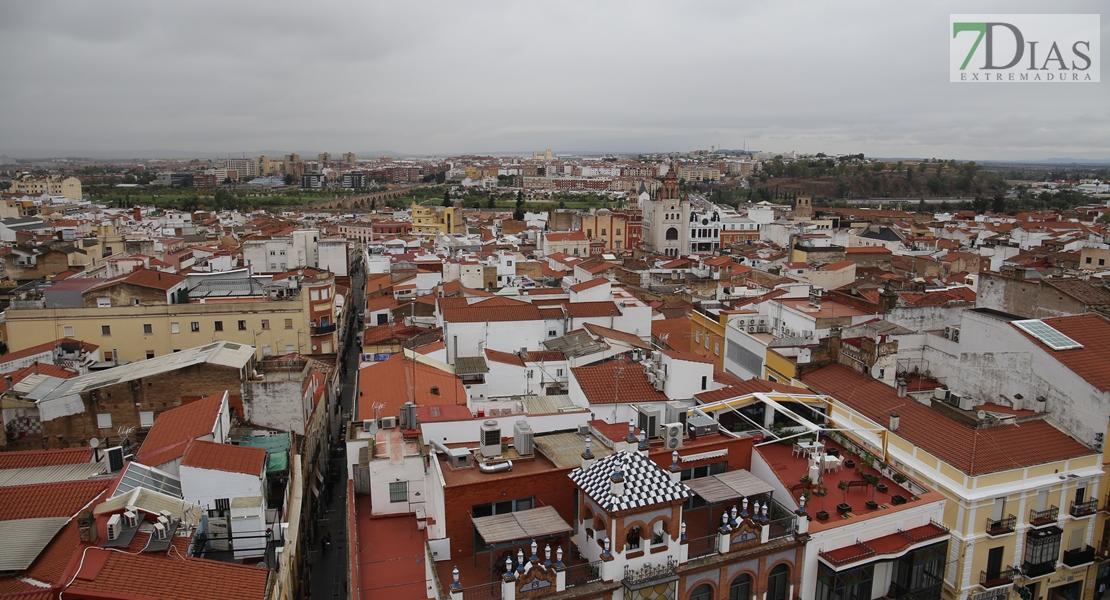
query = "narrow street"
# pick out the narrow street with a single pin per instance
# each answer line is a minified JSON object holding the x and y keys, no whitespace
{"x":329,"y":571}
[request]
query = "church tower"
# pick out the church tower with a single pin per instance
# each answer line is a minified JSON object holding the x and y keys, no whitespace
{"x":667,"y":219}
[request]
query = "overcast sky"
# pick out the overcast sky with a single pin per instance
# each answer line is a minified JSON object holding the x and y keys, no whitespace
{"x":474,"y":77}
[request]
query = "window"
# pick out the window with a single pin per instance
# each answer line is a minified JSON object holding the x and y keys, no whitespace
{"x":707,"y":342}
{"x":146,"y":418}
{"x":702,"y":592}
{"x":741,"y":588}
{"x":552,"y":333}
{"x":289,"y":323}
{"x":315,"y":294}
{"x":704,"y":381}
{"x":67,"y":331}
{"x":265,"y":324}
{"x":633,"y":538}
{"x":177,"y":349}
{"x":852,"y":584}
{"x":717,"y":348}
{"x":267,"y":351}
{"x":134,"y":302}
{"x":103,"y":302}
{"x":289,"y":349}
{"x":148,"y":329}
{"x":1042,"y":547}
{"x":242,"y":325}
{"x":104,"y":420}
{"x":194,"y":326}
{"x":398,"y":491}
{"x":105,"y":330}
{"x":705,"y":470}
{"x":1102,"y":262}
{"x":697,"y":337}
{"x":618,"y":231}
{"x":503,"y":507}
{"x":778,"y":582}
{"x":558,"y":372}
{"x":1088,"y":260}
{"x":149,"y":354}
{"x":218,"y":325}
{"x":107,"y":356}
{"x":175,"y":327}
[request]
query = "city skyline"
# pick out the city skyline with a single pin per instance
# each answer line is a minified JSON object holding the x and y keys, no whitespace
{"x":621,"y":78}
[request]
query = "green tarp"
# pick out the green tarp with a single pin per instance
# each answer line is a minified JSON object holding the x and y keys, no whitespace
{"x":277,"y":449}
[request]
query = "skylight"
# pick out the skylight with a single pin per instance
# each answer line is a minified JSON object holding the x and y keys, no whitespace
{"x":138,"y":475}
{"x":1047,"y":334}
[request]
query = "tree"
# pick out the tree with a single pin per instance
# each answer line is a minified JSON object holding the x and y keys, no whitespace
{"x":998,"y":204}
{"x":447,"y":198}
{"x":518,"y":214}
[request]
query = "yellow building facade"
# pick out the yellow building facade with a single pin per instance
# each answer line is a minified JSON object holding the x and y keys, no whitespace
{"x":430,"y":220}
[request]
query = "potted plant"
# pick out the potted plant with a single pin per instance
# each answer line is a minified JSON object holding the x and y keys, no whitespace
{"x":899,"y":478}
{"x":897,"y":499}
{"x":843,"y":508}
{"x":843,"y":485}
{"x":806,"y":479}
{"x":849,"y":463}
{"x":821,"y":491}
{"x":822,"y":515}
{"x":871,"y":505}
{"x":873,"y":481}
{"x":881,"y":487}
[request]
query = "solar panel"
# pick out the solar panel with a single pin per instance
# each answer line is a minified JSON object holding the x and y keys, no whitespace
{"x":1047,"y":334}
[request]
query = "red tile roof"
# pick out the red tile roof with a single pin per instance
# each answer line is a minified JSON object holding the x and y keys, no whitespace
{"x":29,"y":459}
{"x":504,"y":357}
{"x":106,"y":574}
{"x":575,"y":236}
{"x":675,"y":333}
{"x":225,"y":457}
{"x":688,"y":356}
{"x":592,"y":309}
{"x":603,"y":384}
{"x":397,"y":380}
{"x":1092,"y":361}
{"x":62,"y":499}
{"x":972,"y":451}
{"x":145,"y":278}
{"x":39,"y":368}
{"x":495,"y":309}
{"x":585,"y":285}
{"x":175,"y":428}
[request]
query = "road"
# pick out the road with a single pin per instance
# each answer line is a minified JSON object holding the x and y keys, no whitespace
{"x":329,"y":572}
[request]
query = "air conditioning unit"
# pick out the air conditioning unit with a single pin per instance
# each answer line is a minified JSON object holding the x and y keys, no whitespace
{"x":656,"y":357}
{"x":651,"y":377}
{"x":160,"y":531}
{"x":115,"y":528}
{"x":389,"y":422}
{"x":367,"y":424}
{"x":659,"y":384}
{"x":751,"y":329}
{"x":940,"y":393}
{"x":955,"y":334}
{"x":672,"y":435}
{"x":649,"y":422}
{"x":967,"y":403}
{"x":490,"y":438}
{"x":947,"y":333}
{"x":675,"y":413}
{"x":130,"y":518}
{"x":522,"y":438}
{"x":699,"y":425}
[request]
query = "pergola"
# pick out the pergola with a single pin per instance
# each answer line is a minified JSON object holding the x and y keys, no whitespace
{"x":518,"y":529}
{"x":730,"y":486}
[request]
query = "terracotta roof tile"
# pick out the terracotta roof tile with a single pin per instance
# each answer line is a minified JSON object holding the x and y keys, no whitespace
{"x":603,"y":384}
{"x":972,"y":451}
{"x":63,"y":499}
{"x":225,"y":457}
{"x":585,"y":285}
{"x":1092,"y":361}
{"x":28,"y":459}
{"x":506,"y":358}
{"x":491,"y":310}
{"x":145,"y":278}
{"x":592,"y":309}
{"x":175,"y":428}
{"x":397,"y":380}
{"x":116,"y":574}
{"x":613,"y":334}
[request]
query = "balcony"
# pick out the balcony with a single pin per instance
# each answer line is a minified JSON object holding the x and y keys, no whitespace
{"x":1032,"y":570}
{"x":1001,"y":526}
{"x":929,"y":591}
{"x":323,"y":329}
{"x":1048,"y":516}
{"x":1075,"y":558}
{"x":650,"y":574}
{"x":1003,"y":577}
{"x":1084,"y":509}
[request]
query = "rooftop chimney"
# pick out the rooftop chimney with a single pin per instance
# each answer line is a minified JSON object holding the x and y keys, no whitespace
{"x":616,"y":482}
{"x":895,"y":420}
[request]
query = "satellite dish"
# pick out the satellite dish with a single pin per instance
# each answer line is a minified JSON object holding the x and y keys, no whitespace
{"x":876,"y":372}
{"x":94,"y":443}
{"x":982,"y":414}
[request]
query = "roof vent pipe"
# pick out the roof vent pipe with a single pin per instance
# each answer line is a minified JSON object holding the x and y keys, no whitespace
{"x":895,"y":420}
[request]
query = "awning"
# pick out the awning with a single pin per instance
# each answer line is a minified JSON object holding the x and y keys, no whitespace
{"x":522,"y":525}
{"x":729,"y":486}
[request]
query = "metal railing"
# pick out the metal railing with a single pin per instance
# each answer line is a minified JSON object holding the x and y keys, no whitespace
{"x":782,"y":527}
{"x":635,"y":578}
{"x":1083,"y":509}
{"x":701,"y":547}
{"x":486,"y":591}
{"x":930,"y":591}
{"x":1003,"y":577}
{"x":583,"y":574}
{"x":1074,"y":558}
{"x":1044,"y":517}
{"x":1037,"y":569}
{"x":997,"y":594}
{"x":1001,"y":526}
